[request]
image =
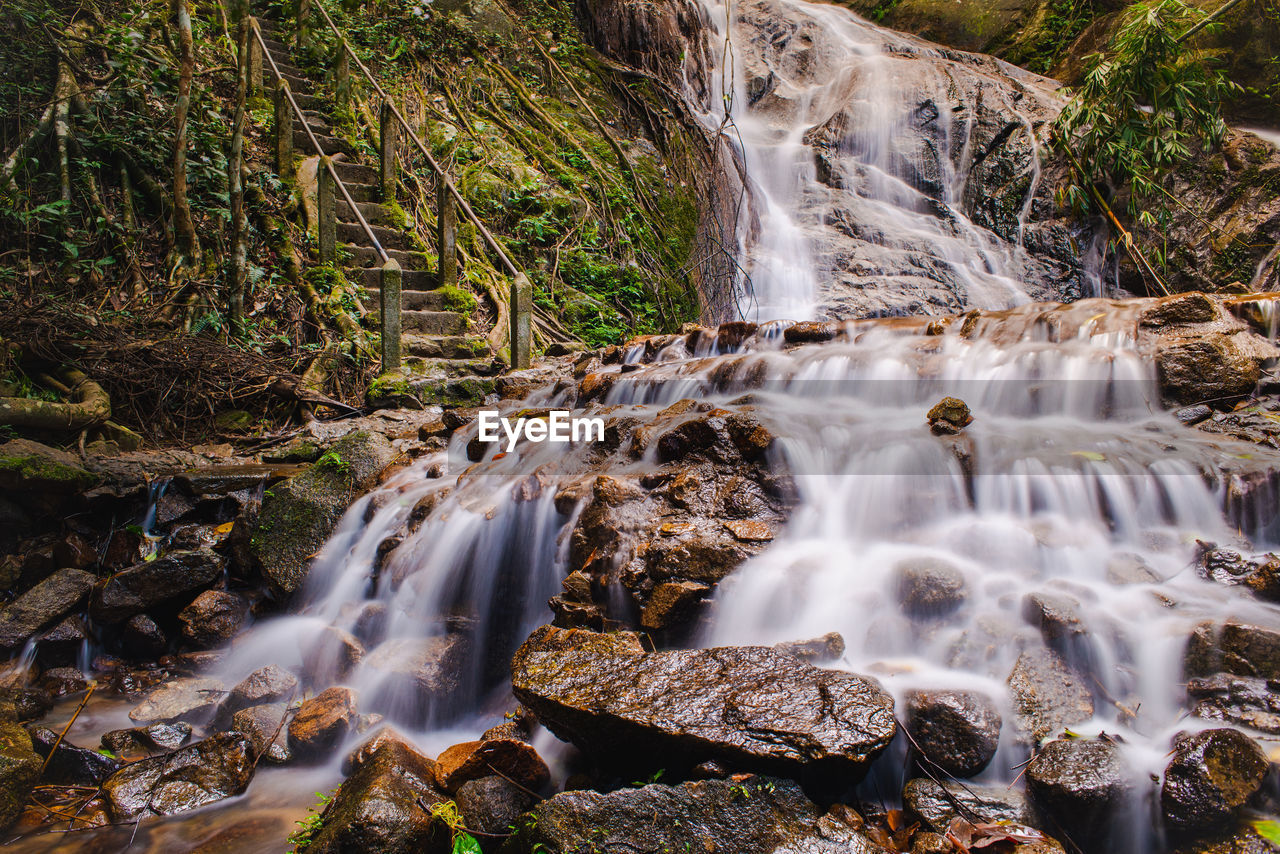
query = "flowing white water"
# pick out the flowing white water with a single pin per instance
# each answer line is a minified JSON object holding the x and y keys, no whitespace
{"x":897,"y":123}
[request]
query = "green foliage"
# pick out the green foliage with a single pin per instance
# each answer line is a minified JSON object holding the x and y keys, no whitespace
{"x":462,"y":841}
{"x":301,"y":838}
{"x":1146,"y":105}
{"x":332,"y":461}
{"x":1063,"y":22}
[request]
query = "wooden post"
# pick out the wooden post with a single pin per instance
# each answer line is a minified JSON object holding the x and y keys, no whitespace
{"x":255,"y":64}
{"x":304,"y":24}
{"x":447,"y":230}
{"x":521,"y":322}
{"x":342,"y":80}
{"x":389,"y":281}
{"x":284,"y":132}
{"x":387,"y":138}
{"x":326,"y":209}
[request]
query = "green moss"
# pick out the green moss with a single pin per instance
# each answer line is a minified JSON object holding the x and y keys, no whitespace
{"x":456,"y":299}
{"x":36,"y":472}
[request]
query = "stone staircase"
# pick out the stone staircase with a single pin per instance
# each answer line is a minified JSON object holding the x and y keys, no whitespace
{"x":438,"y":342}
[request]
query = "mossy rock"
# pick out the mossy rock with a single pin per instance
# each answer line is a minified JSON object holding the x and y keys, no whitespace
{"x":30,"y":467}
{"x":456,"y":299}
{"x":299,"y":514}
{"x":19,"y":767}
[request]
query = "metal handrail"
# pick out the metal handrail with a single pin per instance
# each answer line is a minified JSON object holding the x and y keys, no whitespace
{"x":435,"y":166}
{"x":324,"y":158}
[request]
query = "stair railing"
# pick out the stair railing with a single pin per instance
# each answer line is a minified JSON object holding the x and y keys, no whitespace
{"x":521,"y":299}
{"x":390,"y":276}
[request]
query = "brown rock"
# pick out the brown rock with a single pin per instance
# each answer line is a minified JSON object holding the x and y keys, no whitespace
{"x":213,"y":618}
{"x":672,"y":604}
{"x":323,"y":722}
{"x":509,"y":758}
{"x":218,"y":767}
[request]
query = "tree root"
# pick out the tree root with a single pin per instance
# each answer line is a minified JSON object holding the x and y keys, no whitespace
{"x":91,"y":406}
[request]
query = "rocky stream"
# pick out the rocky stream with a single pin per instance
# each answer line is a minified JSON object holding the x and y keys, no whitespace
{"x":946,"y":544}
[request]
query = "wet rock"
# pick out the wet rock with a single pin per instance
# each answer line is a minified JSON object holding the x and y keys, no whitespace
{"x":172,"y":506}
{"x":421,"y":670}
{"x":1246,"y":700}
{"x":1264,"y":581}
{"x":1080,"y":785}
{"x":1190,"y":416}
{"x":512,"y":759}
{"x":264,"y":725}
{"x":1223,"y":566}
{"x":1047,"y":695}
{"x":141,"y":638}
{"x":1212,"y":775}
{"x":331,"y":656}
{"x":933,"y":805}
{"x":70,"y":765}
{"x":1057,"y":616}
{"x":19,"y":769}
{"x":829,"y":647}
{"x":752,"y":706}
{"x":1131,"y":569}
{"x":265,"y":685}
{"x":64,"y":643}
{"x":1182,"y":309}
{"x":1236,"y":648}
{"x":809,"y":332}
{"x":75,"y":552}
{"x":927,"y":587}
{"x":323,"y":721}
{"x":61,"y":681}
{"x":491,"y":806}
{"x":1244,"y":838}
{"x":43,"y":606}
{"x":29,"y":703}
{"x":213,"y":618}
{"x":154,"y":584}
{"x":949,"y":416}
{"x":192,"y":699}
{"x":202,"y":773}
{"x":672,"y":604}
{"x":384,"y":807}
{"x":1210,"y":367}
{"x":163,"y":737}
{"x":755,"y":814}
{"x":958,"y":731}
{"x":300,"y":513}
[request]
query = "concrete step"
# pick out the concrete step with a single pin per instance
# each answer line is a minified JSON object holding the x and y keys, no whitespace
{"x":454,"y":368}
{"x":390,"y":238}
{"x":328,"y":144}
{"x":429,"y":323}
{"x":411,"y":281}
{"x":288,"y":69}
{"x":367,"y":257}
{"x":359,"y":192}
{"x":443,"y":346}
{"x":414,"y":300}
{"x":373,"y":212}
{"x":357,"y":173}
{"x":301,"y":85}
{"x":310,"y":102}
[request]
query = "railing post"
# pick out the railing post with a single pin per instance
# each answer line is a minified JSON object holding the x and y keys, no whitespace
{"x":390,"y":280}
{"x":387,"y":138}
{"x":326,"y":209}
{"x":447,"y":231}
{"x":521,"y":322}
{"x":342,"y":80}
{"x":304,"y":24}
{"x":255,"y":63}
{"x":284,"y":132}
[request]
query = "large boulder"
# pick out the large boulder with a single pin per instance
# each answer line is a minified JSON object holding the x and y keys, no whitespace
{"x":43,"y":606}
{"x":515,"y":760}
{"x":958,"y":731}
{"x":19,"y":768}
{"x":299,"y":514}
{"x":1209,"y":367}
{"x":1080,"y":785}
{"x":268,"y":684}
{"x":757,"y":814}
{"x":171,"y":580}
{"x":37,"y":472}
{"x":190,"y":699}
{"x":489,"y":806}
{"x":218,"y":767}
{"x":264,"y":725}
{"x":417,"y":673}
{"x":384,"y":806}
{"x":1212,"y":775}
{"x":753,"y":707}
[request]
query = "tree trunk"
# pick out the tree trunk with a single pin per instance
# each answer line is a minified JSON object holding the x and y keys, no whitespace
{"x":186,"y":245}
{"x":237,"y":273}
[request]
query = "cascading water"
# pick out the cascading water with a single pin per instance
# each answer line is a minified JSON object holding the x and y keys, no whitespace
{"x":861,"y":147}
